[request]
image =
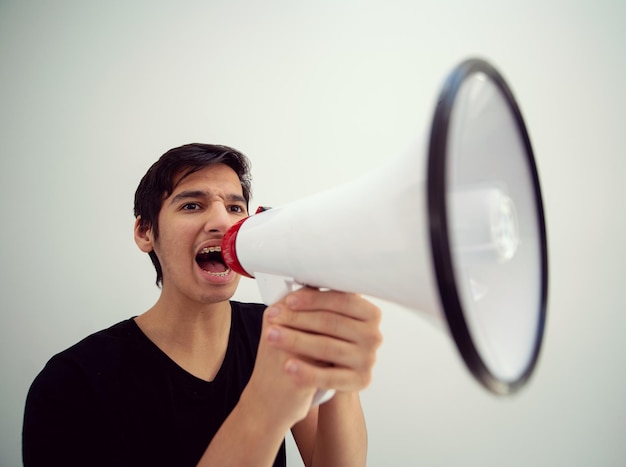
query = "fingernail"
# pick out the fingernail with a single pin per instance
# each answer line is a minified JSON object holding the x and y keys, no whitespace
{"x":291,"y":367}
{"x":272,"y":312}
{"x":273,"y":334}
{"x":292,"y":301}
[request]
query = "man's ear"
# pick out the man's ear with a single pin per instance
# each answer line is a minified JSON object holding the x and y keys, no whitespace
{"x":143,"y":236}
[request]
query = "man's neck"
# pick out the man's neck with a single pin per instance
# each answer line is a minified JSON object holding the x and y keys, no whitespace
{"x":195,"y":337}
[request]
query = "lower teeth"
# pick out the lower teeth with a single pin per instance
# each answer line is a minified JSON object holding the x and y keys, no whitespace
{"x":218,"y":274}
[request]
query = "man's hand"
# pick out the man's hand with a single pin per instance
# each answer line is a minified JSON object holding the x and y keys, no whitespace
{"x":332,"y":338}
{"x":314,"y":340}
{"x":310,"y":340}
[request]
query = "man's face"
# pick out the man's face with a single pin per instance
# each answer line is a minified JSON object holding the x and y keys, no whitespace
{"x":192,"y":222}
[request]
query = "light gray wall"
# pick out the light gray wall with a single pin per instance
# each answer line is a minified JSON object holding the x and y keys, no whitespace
{"x":91,"y":93}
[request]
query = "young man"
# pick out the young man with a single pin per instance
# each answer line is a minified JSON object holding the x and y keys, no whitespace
{"x":199,"y":379}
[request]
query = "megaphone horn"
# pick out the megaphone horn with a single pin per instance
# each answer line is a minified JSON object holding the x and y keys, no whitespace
{"x":457,"y":233}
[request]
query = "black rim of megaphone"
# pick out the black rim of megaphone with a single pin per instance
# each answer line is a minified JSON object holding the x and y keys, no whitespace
{"x":442,"y":257}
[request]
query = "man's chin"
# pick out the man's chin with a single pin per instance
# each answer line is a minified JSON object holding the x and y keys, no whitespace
{"x":222,"y":291}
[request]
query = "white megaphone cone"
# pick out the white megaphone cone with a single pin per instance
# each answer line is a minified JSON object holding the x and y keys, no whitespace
{"x":370,"y":236}
{"x":454,"y":230}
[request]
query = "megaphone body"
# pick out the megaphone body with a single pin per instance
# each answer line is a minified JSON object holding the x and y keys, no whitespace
{"x":353,"y":238}
{"x":453,"y":228}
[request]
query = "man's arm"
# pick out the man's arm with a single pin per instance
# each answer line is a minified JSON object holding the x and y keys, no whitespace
{"x":310,"y":340}
{"x":58,"y":422}
{"x":334,"y":433}
{"x":341,"y":333}
{"x":250,"y":436}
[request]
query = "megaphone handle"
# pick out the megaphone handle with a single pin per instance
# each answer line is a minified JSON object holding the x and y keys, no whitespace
{"x":273,"y":289}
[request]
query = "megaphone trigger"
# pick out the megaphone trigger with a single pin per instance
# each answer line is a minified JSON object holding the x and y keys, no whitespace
{"x":274,"y":288}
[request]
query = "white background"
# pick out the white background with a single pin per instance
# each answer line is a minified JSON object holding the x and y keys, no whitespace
{"x":91,"y":93}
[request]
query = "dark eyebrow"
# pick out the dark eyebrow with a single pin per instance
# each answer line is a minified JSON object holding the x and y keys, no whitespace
{"x":187,"y":195}
{"x":195,"y":194}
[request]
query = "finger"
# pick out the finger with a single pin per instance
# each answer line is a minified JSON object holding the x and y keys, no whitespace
{"x":319,"y":347}
{"x":342,"y":379}
{"x":333,"y":324}
{"x":317,"y":322}
{"x":347,"y":304}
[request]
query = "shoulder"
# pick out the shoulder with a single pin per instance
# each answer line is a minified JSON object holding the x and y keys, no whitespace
{"x":68,"y":373}
{"x":102,"y":344}
{"x":90,"y":355}
{"x":65,"y":401}
{"x":248,"y":314}
{"x":247,"y":322}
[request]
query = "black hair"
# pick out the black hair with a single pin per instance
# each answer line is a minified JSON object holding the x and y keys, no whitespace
{"x":158,"y":182}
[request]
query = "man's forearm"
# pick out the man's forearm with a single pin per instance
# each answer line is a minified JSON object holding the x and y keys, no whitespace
{"x":341,"y":432}
{"x":248,"y":437}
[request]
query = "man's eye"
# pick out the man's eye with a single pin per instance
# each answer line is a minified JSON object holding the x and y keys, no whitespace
{"x":237,"y":209}
{"x":190,"y":206}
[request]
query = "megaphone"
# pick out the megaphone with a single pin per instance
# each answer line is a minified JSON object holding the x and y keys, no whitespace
{"x":455,"y":231}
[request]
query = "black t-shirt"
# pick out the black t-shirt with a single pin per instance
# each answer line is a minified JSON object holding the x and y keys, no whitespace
{"x":116,"y":399}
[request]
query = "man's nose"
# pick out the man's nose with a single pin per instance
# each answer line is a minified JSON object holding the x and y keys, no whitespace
{"x":217,"y":219}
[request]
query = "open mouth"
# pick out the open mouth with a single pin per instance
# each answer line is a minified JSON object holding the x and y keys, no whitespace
{"x":210,"y":260}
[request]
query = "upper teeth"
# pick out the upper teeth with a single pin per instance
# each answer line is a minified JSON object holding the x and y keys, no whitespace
{"x":211,"y":249}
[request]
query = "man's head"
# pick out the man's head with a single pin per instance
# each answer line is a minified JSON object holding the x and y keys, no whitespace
{"x":174,"y":166}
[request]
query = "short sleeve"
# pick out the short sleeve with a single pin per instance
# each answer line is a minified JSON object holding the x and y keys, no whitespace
{"x":59,"y":419}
